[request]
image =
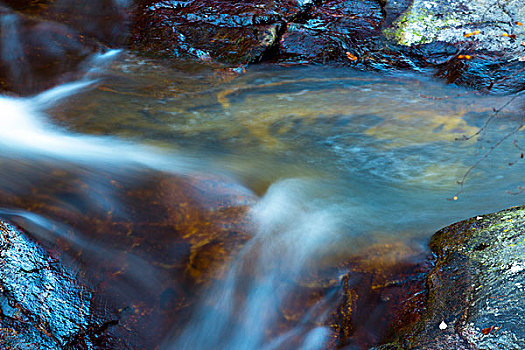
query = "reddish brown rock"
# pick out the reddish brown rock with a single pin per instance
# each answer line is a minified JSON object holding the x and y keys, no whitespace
{"x":28,"y":6}
{"x":369,"y":295}
{"x":147,"y":244}
{"x":383,"y":290}
{"x":105,"y":21}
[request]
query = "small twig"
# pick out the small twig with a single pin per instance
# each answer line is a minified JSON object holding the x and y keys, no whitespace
{"x":485,"y":156}
{"x":520,"y":190}
{"x":489,"y":119}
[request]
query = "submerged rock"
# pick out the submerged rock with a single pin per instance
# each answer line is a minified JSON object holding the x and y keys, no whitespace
{"x":476,"y":287}
{"x":383,"y":289}
{"x":148,"y":244}
{"x":368,"y":294}
{"x":37,"y":54}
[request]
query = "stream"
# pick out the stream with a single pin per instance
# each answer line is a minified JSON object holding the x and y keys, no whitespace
{"x":317,"y":164}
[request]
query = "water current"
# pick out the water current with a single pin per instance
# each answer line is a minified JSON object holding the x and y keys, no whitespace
{"x":323,"y":163}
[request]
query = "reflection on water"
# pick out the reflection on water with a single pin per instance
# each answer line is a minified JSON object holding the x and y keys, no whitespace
{"x":146,"y":177}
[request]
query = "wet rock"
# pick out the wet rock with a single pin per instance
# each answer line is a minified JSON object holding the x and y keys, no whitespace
{"x":106,"y":21}
{"x":331,"y":30}
{"x":27,"y":6}
{"x":392,"y":9}
{"x":486,"y":35}
{"x":368,"y":295}
{"x":43,"y":304}
{"x":149,"y":243}
{"x":226,"y":31}
{"x":471,"y":43}
{"x":383,"y":289}
{"x":37,"y":54}
{"x":476,"y":287}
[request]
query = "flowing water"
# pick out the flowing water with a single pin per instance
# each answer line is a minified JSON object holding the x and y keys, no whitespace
{"x":322,"y":163}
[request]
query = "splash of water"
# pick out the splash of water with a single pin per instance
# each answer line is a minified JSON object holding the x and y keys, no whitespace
{"x":293,"y":232}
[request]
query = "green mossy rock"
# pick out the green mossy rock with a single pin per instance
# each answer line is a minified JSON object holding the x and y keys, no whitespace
{"x":476,"y":287}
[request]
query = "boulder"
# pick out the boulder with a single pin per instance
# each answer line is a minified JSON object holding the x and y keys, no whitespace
{"x":475,"y":290}
{"x":229,"y":31}
{"x":473,"y":43}
{"x":105,"y":21}
{"x":43,"y":303}
{"x":481,"y":41}
{"x":334,"y":31}
{"x":232,"y":32}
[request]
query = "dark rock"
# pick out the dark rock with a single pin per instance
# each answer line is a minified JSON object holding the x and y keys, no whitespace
{"x":27,"y":6}
{"x":43,"y":304}
{"x":472,"y":43}
{"x":383,"y":289}
{"x":375,"y":291}
{"x":228,"y":31}
{"x":38,"y":54}
{"x":476,"y":287}
{"x":392,"y":9}
{"x":322,"y":32}
{"x":106,"y":21}
{"x":333,"y":29}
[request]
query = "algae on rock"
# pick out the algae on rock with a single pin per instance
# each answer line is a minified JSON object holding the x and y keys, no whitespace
{"x":452,"y":22}
{"x":476,"y":287}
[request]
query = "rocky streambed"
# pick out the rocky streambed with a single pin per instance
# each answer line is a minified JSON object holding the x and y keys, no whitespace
{"x":93,"y":259}
{"x":477,"y":43}
{"x":467,"y":296}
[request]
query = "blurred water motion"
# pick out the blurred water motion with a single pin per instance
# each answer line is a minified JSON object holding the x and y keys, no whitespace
{"x":292,"y":234}
{"x":208,"y":207}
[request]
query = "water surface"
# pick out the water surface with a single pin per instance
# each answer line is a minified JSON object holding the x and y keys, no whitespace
{"x":321,"y":163}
